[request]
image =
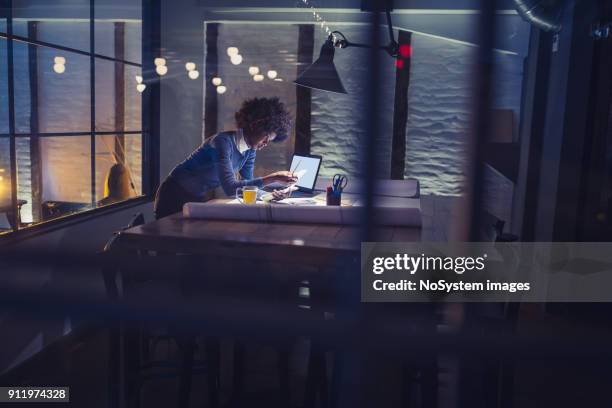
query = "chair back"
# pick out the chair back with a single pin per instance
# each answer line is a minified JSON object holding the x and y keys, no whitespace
{"x":110,"y":269}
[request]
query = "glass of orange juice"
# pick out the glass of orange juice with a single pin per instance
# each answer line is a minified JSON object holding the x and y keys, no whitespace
{"x":247,"y":194}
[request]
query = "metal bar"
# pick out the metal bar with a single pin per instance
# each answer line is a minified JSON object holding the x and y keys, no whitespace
{"x":400,"y":111}
{"x":481,"y":116}
{"x":35,"y":154}
{"x":389,"y":24}
{"x":14,"y":221}
{"x":210,"y":93}
{"x":372,"y":96}
{"x":62,"y":48}
{"x":92,"y":83}
{"x":303,"y":95}
{"x":119,"y":147}
{"x":56,"y":134}
{"x":151,"y":48}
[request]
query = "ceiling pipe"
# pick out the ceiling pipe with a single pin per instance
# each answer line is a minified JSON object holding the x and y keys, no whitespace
{"x":544,"y":14}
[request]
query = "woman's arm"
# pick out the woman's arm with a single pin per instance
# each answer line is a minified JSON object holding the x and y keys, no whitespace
{"x":225,"y":171}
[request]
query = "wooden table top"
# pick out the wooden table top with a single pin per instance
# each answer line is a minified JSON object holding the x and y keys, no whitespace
{"x":283,"y":242}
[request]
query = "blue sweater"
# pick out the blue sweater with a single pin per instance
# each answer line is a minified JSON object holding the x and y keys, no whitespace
{"x":215,"y":163}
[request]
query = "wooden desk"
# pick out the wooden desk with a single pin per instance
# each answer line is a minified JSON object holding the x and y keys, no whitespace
{"x":311,"y":244}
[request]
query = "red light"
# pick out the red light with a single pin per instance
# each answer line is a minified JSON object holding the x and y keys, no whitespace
{"x":405,"y":51}
{"x":399,"y":63}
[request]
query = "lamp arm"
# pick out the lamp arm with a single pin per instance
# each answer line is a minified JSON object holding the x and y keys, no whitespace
{"x":392,"y":48}
{"x":346,"y":44}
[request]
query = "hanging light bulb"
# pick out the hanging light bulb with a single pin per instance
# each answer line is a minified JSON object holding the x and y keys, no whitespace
{"x":258,"y":78}
{"x":159,"y":62}
{"x":161,"y":70}
{"x":141,"y":87}
{"x":59,"y":60}
{"x":193,"y":74}
{"x":138,"y":79}
{"x":236,"y":59}
{"x":190,"y":66}
{"x":59,"y":68}
{"x":221,"y":90}
{"x":272,"y":74}
{"x":231,"y":51}
{"x":253,"y":70}
{"x":216,"y":81}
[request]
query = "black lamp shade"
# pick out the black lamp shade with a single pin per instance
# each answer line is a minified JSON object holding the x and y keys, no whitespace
{"x":322,"y":73}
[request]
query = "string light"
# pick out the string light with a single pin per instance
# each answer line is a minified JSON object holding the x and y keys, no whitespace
{"x":258,"y":78}
{"x":138,"y":79}
{"x":161,"y":70}
{"x":236,"y":59}
{"x":59,"y":68}
{"x":320,"y":20}
{"x":160,"y":66}
{"x":193,"y":74}
{"x":231,"y":51}
{"x":217,"y":81}
{"x":141,"y":87}
{"x":253,"y":70}
{"x":59,"y":65}
{"x":221,"y":90}
{"x":272,"y":74}
{"x":190,"y":66}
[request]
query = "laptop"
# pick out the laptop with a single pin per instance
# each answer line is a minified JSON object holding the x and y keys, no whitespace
{"x":306,"y":167}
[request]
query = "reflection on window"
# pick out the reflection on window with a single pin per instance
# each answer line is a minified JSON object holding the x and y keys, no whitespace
{"x":118,"y":168}
{"x":49,"y":185}
{"x":118,"y":102}
{"x":61,"y":100}
{"x":67,"y":26}
{"x":118,"y":29}
{"x":6,"y":209}
{"x":53,"y":91}
{"x":4,"y":112}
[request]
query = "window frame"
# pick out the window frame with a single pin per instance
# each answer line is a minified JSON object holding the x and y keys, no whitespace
{"x":149,"y":130}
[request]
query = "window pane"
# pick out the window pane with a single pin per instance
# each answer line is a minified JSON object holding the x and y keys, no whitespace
{"x":118,"y":168}
{"x":62,"y":183}
{"x":4,"y":114}
{"x":118,"y":29}
{"x":118,"y":102}
{"x":60,"y":101}
{"x":65,"y":24}
{"x":5,"y":186}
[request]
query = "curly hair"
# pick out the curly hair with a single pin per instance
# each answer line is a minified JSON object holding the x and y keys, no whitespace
{"x":264,"y":115}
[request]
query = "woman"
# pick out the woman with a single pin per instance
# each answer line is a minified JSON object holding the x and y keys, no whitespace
{"x":216,"y":162}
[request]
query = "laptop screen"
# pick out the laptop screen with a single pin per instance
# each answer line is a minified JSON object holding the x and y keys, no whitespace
{"x":306,"y":168}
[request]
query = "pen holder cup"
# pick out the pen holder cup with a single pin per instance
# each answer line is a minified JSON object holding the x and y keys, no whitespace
{"x":334,"y":198}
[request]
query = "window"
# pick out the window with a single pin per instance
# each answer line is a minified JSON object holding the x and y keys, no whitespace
{"x":70,"y":109}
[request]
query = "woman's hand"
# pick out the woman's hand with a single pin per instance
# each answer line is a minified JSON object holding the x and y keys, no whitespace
{"x":280,"y":177}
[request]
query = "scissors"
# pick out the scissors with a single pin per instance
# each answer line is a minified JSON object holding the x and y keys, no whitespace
{"x":339,"y":182}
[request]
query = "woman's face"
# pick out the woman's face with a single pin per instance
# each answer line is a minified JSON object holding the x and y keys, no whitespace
{"x":262,"y":140}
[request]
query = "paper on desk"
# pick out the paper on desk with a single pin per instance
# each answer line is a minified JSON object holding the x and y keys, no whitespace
{"x":410,"y":215}
{"x":301,"y":201}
